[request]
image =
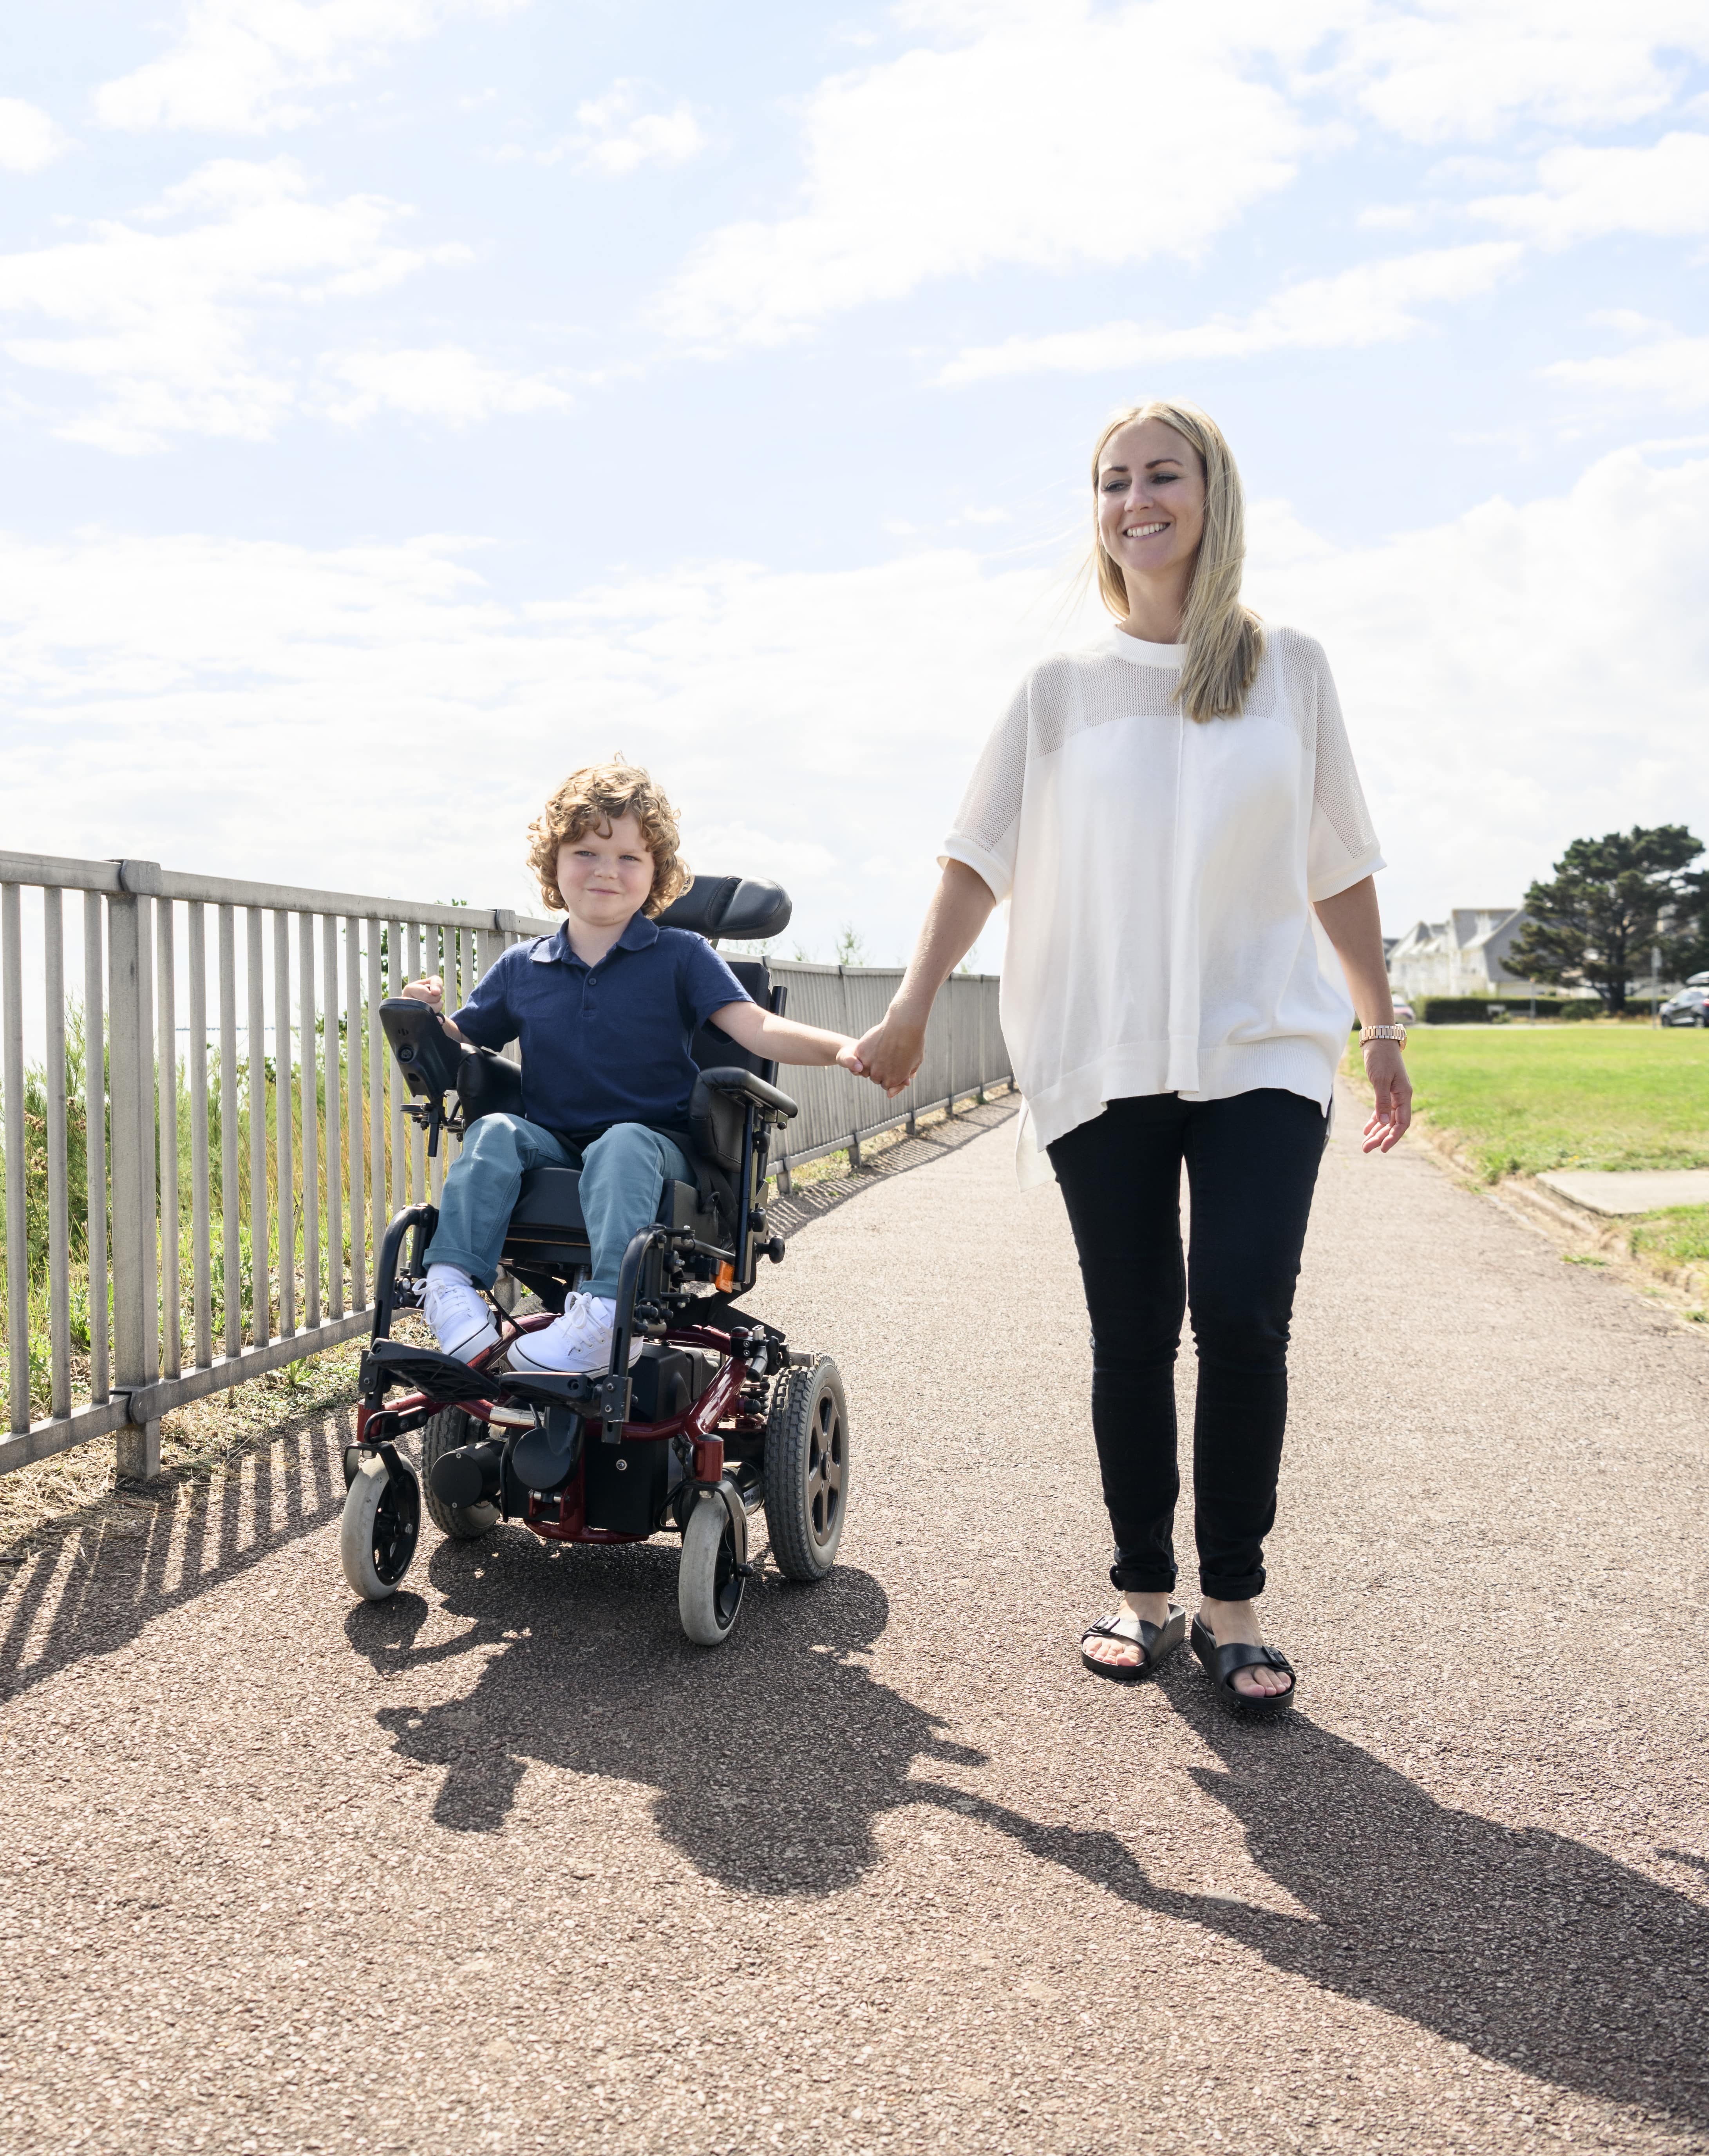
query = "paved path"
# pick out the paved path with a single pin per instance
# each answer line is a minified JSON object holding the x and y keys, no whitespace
{"x":506,"y":1865}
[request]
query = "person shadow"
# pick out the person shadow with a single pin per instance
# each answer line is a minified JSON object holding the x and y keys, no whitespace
{"x":1530,"y":1948}
{"x":772,"y":1759}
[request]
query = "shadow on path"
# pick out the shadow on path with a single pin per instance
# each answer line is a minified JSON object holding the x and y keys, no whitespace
{"x":109,"y":1575}
{"x":772,"y":1756}
{"x":1530,"y":1948}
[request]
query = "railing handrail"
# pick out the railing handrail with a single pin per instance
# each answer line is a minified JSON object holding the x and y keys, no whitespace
{"x":144,"y":878}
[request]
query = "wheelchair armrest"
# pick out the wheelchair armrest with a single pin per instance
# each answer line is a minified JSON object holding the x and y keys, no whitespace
{"x":743,"y":1085}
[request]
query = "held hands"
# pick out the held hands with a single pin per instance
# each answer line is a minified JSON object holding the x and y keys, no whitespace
{"x":1386,"y":1069}
{"x":889,"y":1055}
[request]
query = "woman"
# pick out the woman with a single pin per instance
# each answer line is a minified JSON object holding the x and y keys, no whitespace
{"x":1165,"y":812}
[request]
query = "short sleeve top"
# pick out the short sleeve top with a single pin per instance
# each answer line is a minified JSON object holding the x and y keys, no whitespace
{"x":606,"y":1043}
{"x":1161,"y":875}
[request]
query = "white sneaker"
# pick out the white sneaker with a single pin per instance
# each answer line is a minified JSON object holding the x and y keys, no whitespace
{"x":457,"y":1310}
{"x":578,"y":1341}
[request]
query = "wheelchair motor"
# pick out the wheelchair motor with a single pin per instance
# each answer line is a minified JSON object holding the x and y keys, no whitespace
{"x":717,"y":1419}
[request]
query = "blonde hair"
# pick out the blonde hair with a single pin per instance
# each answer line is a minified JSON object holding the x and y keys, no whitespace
{"x":596,"y":796}
{"x":1225,"y":639}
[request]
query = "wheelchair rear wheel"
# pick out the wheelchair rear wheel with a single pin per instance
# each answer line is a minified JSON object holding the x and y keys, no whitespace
{"x":381,"y":1526}
{"x":450,"y":1428}
{"x":709,"y":1582}
{"x":807,"y":1469}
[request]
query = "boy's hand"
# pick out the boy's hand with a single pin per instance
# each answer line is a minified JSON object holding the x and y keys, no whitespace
{"x":431,"y":991}
{"x":848,"y":1058}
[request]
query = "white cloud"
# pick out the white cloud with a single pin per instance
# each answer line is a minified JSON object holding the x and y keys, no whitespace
{"x":29,"y":138}
{"x":161,"y":323}
{"x":445,"y":382}
{"x":1661,"y":190}
{"x":1509,"y":684}
{"x":1373,"y":304}
{"x":240,"y":65}
{"x":614,"y":137}
{"x":1670,"y":370}
{"x":245,"y":705}
{"x":1023,"y":145}
{"x":1464,"y":69}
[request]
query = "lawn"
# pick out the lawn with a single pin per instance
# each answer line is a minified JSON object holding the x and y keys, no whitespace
{"x":1524,"y":1098}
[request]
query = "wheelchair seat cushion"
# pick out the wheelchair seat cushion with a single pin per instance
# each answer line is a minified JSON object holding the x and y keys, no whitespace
{"x":548,"y":1222}
{"x":550,"y":1206}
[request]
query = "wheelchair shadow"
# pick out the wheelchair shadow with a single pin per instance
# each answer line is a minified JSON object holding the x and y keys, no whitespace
{"x":107,"y":1575}
{"x":772,"y":1757}
{"x":1531,"y":1949}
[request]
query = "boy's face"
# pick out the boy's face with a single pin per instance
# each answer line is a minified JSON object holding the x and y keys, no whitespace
{"x":606,"y":876}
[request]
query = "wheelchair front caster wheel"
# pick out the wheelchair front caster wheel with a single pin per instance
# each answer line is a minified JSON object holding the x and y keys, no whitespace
{"x":381,"y":1528}
{"x":709,"y":1583}
{"x":807,"y":1469}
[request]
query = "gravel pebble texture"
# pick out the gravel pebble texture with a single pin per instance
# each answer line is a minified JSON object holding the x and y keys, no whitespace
{"x":506,"y":1864}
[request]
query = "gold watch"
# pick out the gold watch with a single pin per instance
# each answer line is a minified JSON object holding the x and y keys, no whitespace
{"x":1397,"y":1034}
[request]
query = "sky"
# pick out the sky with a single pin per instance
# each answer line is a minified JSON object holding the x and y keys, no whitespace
{"x":406,"y":401}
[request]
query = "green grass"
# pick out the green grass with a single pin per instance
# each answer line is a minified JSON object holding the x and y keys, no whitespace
{"x":1522,"y":1100}
{"x":1678,"y":1237}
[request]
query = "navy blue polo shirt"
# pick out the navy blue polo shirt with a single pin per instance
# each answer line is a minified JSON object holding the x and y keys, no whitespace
{"x":606,"y":1043}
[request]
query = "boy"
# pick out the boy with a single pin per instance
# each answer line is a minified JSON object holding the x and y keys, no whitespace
{"x":605,"y":1009}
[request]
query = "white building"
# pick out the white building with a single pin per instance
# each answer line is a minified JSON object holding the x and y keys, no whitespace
{"x":1466,"y":955}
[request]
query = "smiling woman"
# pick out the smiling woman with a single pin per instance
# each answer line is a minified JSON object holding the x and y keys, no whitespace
{"x":1165,"y":812}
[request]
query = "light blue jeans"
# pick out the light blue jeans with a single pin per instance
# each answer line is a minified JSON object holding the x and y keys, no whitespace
{"x":623,"y":1175}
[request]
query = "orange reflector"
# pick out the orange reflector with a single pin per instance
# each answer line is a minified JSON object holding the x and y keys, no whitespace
{"x":724,"y":1279}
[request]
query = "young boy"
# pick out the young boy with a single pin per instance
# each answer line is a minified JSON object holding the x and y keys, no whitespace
{"x":605,"y":1009}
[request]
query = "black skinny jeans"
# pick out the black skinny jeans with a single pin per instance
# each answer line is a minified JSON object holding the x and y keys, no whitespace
{"x":1251,"y":1165}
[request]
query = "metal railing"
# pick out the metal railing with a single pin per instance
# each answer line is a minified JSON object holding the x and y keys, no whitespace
{"x":204,"y":1137}
{"x":964,"y":1055}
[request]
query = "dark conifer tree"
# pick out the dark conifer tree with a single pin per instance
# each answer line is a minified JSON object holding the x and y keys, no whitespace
{"x":1612,"y":902}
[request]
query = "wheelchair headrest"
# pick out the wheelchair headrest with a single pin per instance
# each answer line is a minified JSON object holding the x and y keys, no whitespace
{"x":740,"y":906}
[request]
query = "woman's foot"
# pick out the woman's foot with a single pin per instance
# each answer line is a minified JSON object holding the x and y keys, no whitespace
{"x":1125,"y":1653}
{"x":1235,"y":1623}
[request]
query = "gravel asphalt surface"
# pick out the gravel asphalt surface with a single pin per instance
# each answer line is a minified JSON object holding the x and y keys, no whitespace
{"x":506,"y":1864}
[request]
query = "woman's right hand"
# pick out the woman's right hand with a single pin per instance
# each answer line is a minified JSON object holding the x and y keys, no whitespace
{"x":889,"y":1055}
{"x":431,"y":992}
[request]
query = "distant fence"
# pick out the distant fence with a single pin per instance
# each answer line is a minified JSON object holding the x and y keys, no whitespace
{"x":204,"y":1134}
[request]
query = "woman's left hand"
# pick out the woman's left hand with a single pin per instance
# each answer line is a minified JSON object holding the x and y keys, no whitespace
{"x":1386,"y":1068}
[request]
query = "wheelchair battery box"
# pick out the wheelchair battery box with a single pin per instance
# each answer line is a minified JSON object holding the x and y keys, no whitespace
{"x":666,"y":1383}
{"x":624,"y":1487}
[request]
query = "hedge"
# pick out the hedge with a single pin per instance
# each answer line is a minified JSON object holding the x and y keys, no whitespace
{"x":1461,"y":1010}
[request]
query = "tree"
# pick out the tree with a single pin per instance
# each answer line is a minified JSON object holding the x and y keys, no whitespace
{"x":1613,"y":900}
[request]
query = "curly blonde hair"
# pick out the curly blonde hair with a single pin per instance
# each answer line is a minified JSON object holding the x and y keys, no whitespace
{"x":594,"y":797}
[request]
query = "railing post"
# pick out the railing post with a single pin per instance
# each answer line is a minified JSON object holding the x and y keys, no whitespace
{"x":261,"y":1314}
{"x":16,"y":1175}
{"x":131,"y":1050}
{"x":58,"y":1206}
{"x":335,"y":1118}
{"x":230,"y":1174}
{"x":167,"y":1055}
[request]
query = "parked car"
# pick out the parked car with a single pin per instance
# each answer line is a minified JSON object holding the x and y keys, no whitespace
{"x":1405,"y":1014}
{"x":1689,"y":1007}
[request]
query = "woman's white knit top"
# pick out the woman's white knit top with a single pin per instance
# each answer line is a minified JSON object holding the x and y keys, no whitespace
{"x":1160,"y":875}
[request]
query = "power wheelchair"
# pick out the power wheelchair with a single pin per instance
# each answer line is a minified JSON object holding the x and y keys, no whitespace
{"x":717,"y":1417}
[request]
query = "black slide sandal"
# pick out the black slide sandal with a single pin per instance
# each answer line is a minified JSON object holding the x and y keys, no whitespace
{"x":1220,"y":1664}
{"x":1153,"y":1641}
